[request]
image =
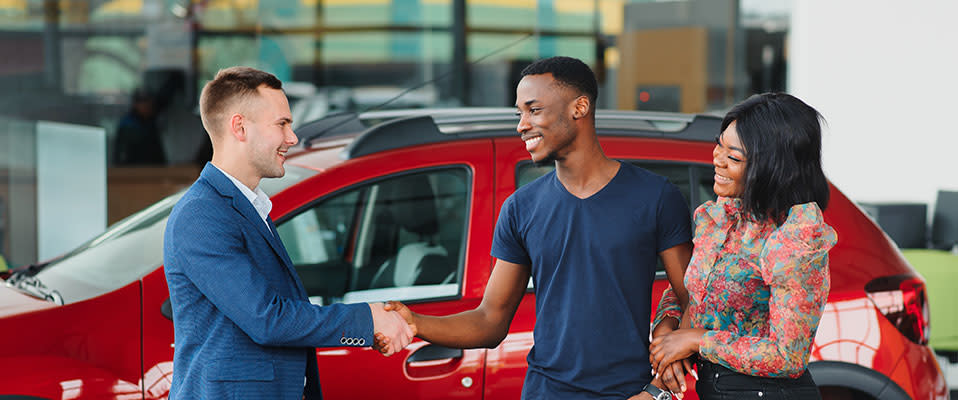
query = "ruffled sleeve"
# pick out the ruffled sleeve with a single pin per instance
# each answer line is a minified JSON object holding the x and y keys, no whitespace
{"x":668,"y":307}
{"x":719,"y":214}
{"x":794,"y":264}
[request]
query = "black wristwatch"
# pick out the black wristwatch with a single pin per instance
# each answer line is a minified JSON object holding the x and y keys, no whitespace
{"x":657,"y":394}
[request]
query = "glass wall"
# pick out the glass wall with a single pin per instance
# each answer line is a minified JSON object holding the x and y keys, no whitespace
{"x":135,"y":67}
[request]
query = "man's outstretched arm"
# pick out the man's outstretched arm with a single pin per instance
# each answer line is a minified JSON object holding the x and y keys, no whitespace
{"x":676,"y":260}
{"x":484,"y":326}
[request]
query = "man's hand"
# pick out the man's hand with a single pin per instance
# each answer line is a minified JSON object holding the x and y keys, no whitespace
{"x":401,"y":308}
{"x":381,"y":341}
{"x":646,"y":396}
{"x":666,"y":326}
{"x":392,"y":333}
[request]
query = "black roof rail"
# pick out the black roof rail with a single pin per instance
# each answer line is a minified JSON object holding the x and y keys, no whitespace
{"x":332,"y":124}
{"x":426,"y":128}
{"x":394,"y":134}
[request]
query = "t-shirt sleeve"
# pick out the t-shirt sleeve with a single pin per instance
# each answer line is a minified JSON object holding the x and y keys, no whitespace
{"x":673,"y":224}
{"x":507,"y":243}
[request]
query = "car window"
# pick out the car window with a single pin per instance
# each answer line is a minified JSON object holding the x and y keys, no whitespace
{"x":693,"y":180}
{"x":398,"y":238}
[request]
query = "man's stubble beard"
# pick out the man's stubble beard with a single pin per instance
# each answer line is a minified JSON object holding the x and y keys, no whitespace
{"x":265,"y":167}
{"x":553,"y":156}
{"x":547,"y":161}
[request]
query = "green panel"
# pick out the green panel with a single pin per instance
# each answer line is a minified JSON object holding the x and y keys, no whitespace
{"x":376,"y":47}
{"x":940,"y":270}
{"x":110,"y":66}
{"x":355,"y":47}
{"x":482,"y":44}
{"x":216,"y":53}
{"x":483,"y":16}
{"x":581,"y":48}
{"x":356,"y":15}
{"x":437,"y":14}
{"x":573,"y":23}
{"x":486,"y":16}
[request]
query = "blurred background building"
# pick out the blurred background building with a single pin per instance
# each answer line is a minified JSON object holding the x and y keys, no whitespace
{"x":123,"y":76}
{"x":134,"y":69}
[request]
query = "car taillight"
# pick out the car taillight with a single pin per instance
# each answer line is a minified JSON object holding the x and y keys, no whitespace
{"x":902,"y":299}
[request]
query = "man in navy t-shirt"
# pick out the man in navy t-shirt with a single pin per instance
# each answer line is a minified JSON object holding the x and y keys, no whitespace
{"x":593,"y":262}
{"x":589,"y":235}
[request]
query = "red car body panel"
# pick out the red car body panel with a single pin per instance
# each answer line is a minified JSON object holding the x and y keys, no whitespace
{"x":157,"y":338}
{"x":120,"y":346}
{"x":13,"y":303}
{"x":89,"y":348}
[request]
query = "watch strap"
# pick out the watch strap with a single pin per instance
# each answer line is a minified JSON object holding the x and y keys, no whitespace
{"x":657,"y":394}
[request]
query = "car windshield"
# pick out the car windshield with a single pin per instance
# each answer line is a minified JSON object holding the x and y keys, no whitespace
{"x":129,"y":249}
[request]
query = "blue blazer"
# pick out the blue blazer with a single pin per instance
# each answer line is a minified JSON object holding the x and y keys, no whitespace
{"x":243,"y":325}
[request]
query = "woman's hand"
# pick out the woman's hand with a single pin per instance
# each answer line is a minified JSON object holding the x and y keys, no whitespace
{"x":672,"y":377}
{"x":677,"y":345}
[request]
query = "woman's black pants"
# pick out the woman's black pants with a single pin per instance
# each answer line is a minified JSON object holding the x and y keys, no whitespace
{"x":719,"y":383}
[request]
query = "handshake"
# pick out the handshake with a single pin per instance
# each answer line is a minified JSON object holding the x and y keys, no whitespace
{"x":393,"y":327}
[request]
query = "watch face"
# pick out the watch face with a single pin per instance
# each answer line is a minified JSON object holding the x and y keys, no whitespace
{"x":664,"y":396}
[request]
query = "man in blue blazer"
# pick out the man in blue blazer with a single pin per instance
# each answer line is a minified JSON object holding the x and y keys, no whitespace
{"x":243,"y":325}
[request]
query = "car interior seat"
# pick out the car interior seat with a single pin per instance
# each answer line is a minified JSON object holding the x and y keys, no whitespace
{"x":411,"y":204}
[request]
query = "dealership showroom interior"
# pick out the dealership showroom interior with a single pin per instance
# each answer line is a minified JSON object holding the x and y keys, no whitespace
{"x":405,"y":152}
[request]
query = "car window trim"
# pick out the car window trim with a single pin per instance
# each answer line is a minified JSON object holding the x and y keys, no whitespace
{"x":470,"y":177}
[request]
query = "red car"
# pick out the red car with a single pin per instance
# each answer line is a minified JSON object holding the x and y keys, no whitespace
{"x":401,"y":206}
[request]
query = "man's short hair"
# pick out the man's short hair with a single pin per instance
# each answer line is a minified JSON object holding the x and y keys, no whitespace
{"x":231,"y":86}
{"x":570,"y":72}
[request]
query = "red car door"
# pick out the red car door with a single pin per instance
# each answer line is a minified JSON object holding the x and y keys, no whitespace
{"x":413,"y":225}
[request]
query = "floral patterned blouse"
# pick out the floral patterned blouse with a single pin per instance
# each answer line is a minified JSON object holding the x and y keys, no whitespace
{"x":758,"y":288}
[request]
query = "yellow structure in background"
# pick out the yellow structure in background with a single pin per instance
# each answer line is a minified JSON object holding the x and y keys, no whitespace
{"x":664,"y":57}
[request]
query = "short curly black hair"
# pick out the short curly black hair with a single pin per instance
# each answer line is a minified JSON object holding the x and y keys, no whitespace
{"x":567,"y":71}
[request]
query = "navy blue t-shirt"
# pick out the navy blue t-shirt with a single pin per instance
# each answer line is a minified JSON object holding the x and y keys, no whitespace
{"x":593,"y":263}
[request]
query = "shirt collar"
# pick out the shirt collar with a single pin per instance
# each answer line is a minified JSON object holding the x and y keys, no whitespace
{"x":257,"y":198}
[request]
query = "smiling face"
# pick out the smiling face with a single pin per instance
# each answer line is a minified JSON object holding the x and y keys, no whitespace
{"x":729,"y":160}
{"x":269,"y":133}
{"x":545,"y":110}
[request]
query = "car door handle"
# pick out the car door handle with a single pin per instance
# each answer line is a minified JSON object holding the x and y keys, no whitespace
{"x":167,"y":309}
{"x":434,"y":353}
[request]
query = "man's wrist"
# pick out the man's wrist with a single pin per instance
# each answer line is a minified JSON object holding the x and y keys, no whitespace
{"x":656,"y":393}
{"x":666,"y":325}
{"x":642,"y":396}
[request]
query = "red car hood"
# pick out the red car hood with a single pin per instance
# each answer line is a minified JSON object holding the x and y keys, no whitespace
{"x":13,"y":302}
